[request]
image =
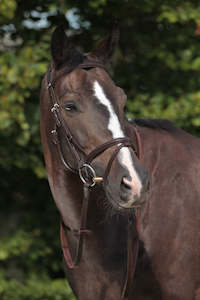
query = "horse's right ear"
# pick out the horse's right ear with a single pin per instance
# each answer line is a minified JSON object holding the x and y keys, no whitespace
{"x":106,"y":47}
{"x":62,"y":50}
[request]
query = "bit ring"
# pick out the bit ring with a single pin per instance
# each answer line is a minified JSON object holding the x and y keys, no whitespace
{"x":82,"y":177}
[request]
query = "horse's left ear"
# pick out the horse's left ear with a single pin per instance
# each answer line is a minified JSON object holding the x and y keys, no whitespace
{"x":106,"y":47}
{"x":63,"y":51}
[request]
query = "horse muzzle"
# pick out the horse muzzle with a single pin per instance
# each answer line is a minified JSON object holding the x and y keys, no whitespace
{"x":132,"y":195}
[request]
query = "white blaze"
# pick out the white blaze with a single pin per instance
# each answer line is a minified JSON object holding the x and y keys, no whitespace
{"x":116,"y":130}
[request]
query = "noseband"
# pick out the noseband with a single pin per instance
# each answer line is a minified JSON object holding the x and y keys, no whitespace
{"x":87,"y":175}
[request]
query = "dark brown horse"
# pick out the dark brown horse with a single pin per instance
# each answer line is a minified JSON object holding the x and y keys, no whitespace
{"x":83,"y":123}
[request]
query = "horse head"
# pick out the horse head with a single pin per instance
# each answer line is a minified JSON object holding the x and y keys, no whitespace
{"x":89,"y":110}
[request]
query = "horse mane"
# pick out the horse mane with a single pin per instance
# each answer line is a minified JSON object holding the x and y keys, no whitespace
{"x":162,"y":124}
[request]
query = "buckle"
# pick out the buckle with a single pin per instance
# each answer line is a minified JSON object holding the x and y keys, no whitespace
{"x":49,"y":85}
{"x":55,"y":107}
{"x":88,"y":176}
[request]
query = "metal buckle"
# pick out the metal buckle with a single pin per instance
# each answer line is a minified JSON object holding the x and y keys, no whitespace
{"x":92,"y":175}
{"x":55,"y":107}
{"x":55,"y":136}
{"x":49,"y":85}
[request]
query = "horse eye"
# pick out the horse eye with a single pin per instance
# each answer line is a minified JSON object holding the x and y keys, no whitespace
{"x":70,"y":106}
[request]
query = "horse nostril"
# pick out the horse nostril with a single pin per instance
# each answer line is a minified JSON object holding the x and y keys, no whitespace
{"x":125,"y":189}
{"x":125,"y":184}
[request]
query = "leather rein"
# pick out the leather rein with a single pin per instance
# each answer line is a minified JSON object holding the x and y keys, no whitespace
{"x":89,"y":178}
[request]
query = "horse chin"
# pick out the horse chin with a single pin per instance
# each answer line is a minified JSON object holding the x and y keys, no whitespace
{"x":129,"y":205}
{"x":124,"y":205}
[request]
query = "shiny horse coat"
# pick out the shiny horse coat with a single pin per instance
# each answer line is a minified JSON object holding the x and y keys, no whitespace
{"x":92,"y":107}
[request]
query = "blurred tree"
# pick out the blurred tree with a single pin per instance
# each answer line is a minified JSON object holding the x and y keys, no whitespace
{"x":157,"y":64}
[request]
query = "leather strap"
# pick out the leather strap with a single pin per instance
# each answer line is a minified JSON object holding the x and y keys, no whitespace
{"x":97,"y":151}
{"x":73,"y":262}
{"x":132,"y":247}
{"x":132,"y":255}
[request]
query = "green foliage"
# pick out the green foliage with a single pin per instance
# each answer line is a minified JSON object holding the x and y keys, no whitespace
{"x":181,"y":12}
{"x":7,"y":9}
{"x":20,"y":78}
{"x":30,"y":254}
{"x":157,"y":64}
{"x":34,"y":289}
{"x":185,"y":112}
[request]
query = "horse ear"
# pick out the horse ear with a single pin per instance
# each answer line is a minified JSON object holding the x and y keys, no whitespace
{"x":106,"y":47}
{"x":63,"y":51}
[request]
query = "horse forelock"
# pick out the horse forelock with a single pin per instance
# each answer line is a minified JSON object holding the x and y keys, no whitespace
{"x":67,"y":68}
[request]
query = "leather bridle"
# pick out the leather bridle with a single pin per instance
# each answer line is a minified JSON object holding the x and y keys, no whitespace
{"x":89,"y":178}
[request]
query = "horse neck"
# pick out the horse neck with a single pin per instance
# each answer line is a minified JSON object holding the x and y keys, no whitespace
{"x":151,"y":142}
{"x":107,"y":232}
